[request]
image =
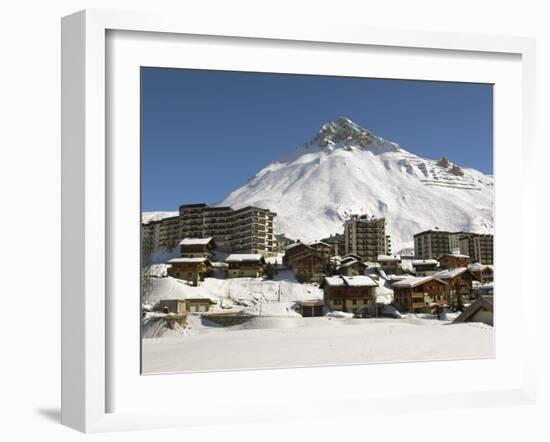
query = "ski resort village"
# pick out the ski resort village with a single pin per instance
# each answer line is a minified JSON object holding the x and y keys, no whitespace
{"x":349,"y":250}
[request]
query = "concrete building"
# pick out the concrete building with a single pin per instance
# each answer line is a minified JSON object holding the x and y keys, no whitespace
{"x":366,"y":237}
{"x":478,"y":246}
{"x":247,"y":230}
{"x":431,"y":244}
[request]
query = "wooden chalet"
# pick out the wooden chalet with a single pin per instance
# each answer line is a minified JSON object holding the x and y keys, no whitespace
{"x":308,"y":267}
{"x":241,"y":265}
{"x":481,"y":310}
{"x":351,"y":267}
{"x":425,"y":267}
{"x":453,"y":261}
{"x":391,"y":264}
{"x":189,"y":269}
{"x":197,"y":247}
{"x":348,"y":293}
{"x":459,"y":284}
{"x":419,"y":294}
{"x":483,"y":273}
{"x":322,"y":249}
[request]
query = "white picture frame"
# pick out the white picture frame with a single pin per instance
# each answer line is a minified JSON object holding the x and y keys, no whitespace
{"x":87,"y":353}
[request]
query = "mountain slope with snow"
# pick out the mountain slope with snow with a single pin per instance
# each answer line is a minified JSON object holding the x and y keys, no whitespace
{"x":346,"y":169}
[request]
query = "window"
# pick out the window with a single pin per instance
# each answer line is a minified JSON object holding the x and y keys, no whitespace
{"x":337,"y":302}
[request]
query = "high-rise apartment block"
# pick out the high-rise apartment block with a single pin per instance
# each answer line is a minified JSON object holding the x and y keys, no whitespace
{"x":366,"y":237}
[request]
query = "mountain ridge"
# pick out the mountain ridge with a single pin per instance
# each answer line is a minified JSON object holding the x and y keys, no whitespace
{"x":346,"y":169}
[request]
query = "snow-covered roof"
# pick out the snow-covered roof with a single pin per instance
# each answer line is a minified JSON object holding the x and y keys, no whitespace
{"x":453,"y":273}
{"x":350,"y":281}
{"x":294,"y":244}
{"x":478,"y":267}
{"x":454,"y":255}
{"x":417,"y":262}
{"x":389,"y":258}
{"x":359,"y":281}
{"x":413,"y":281}
{"x":351,"y":262}
{"x":242,"y":257}
{"x":320,"y":242}
{"x":188,"y":260}
{"x":334,"y":281}
{"x":194,"y":241}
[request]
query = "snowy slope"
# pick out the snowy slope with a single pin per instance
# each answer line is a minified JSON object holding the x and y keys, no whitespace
{"x":346,"y":169}
{"x":147,"y":217}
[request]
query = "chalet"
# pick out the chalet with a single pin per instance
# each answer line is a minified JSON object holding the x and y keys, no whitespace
{"x":308,"y":262}
{"x":293,"y":250}
{"x":322,"y":249}
{"x":312,"y":308}
{"x":425,"y":267}
{"x":337,"y":242}
{"x":481,"y":310}
{"x":351,"y":267}
{"x":348,"y":293}
{"x":197,"y":247}
{"x":459,"y":284}
{"x":245,"y":265}
{"x":177,"y":306}
{"x":483,"y":273}
{"x":453,"y":261}
{"x":391,"y":264}
{"x":189,"y":269}
{"x":199,"y":305}
{"x":419,"y":294}
{"x":308,"y":267}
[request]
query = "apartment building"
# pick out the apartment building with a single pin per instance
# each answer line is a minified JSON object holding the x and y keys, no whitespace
{"x":366,"y":237}
{"x":478,"y":246}
{"x":431,"y":244}
{"x":247,"y":230}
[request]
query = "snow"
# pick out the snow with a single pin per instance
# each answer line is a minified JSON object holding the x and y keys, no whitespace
{"x":451,"y":273}
{"x":412,"y":281}
{"x":244,"y":257}
{"x":254,"y":294}
{"x":187,"y":260}
{"x":359,"y":281}
{"x":417,"y":262}
{"x":388,"y":258}
{"x":316,"y":187}
{"x":294,"y":342}
{"x":194,"y":241}
{"x":147,"y":217}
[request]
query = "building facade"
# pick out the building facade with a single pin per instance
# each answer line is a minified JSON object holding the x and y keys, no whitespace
{"x":431,"y":244}
{"x":366,"y":237}
{"x":247,"y":230}
{"x":478,"y":246}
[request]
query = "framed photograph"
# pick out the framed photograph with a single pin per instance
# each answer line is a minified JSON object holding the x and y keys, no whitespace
{"x":274,"y":217}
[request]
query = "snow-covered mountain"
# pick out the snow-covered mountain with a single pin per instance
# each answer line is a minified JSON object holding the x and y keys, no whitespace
{"x":346,"y":169}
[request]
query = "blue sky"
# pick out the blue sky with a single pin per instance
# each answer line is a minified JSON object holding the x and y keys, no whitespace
{"x":205,"y":133}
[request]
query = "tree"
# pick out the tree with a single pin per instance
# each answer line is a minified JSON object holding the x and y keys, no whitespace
{"x":195,"y":279}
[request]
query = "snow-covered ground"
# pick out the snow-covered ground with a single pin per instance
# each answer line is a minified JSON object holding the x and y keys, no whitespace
{"x":250,"y":295}
{"x":293,"y":342}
